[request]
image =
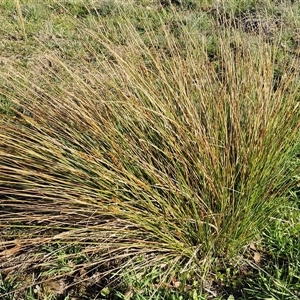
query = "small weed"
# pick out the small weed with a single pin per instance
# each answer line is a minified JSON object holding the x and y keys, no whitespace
{"x":7,"y":287}
{"x":6,"y":106}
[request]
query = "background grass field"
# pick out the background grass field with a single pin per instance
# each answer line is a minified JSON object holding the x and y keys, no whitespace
{"x":149,"y":149}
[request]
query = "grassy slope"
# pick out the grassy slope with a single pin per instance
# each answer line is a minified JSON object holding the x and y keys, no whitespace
{"x":53,"y":31}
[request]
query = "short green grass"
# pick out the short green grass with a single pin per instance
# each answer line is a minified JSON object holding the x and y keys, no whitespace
{"x":143,"y":152}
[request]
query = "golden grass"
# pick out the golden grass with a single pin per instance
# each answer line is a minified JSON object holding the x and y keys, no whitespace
{"x":20,"y":19}
{"x":166,"y":155}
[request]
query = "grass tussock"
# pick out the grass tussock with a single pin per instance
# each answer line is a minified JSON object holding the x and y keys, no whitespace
{"x":152,"y":156}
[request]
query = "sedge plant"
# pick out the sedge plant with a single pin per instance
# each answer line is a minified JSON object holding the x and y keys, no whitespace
{"x":150,"y":155}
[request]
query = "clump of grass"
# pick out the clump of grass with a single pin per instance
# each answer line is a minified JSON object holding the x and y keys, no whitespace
{"x":153,"y":157}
